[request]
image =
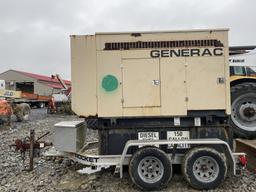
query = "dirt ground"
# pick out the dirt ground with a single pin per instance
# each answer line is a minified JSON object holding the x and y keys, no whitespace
{"x":60,"y":174}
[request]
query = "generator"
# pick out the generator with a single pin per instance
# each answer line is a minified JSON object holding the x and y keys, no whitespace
{"x":125,"y":84}
{"x":157,"y":99}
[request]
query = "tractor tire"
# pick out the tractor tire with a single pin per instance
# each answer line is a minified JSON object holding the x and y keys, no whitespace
{"x":22,"y":112}
{"x":243,"y":110}
{"x":150,"y":168}
{"x":204,"y":168}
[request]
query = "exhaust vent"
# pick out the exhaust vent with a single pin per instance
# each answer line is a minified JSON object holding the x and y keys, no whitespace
{"x":162,"y":44}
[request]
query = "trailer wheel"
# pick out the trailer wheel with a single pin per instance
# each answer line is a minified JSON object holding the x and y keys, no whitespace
{"x":204,"y":168}
{"x":150,"y":168}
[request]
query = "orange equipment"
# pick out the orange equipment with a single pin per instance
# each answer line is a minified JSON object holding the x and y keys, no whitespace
{"x":5,"y":108}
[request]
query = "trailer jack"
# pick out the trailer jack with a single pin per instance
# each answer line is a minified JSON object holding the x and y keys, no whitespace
{"x":31,"y":145}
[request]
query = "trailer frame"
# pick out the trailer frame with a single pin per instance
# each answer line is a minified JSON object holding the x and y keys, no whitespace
{"x":97,"y":162}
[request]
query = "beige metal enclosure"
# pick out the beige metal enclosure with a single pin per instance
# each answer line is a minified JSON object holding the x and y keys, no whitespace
{"x":137,"y":74}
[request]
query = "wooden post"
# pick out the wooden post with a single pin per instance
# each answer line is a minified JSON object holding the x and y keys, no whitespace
{"x":31,"y":152}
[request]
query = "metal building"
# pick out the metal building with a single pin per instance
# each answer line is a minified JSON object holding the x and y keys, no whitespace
{"x":31,"y":83}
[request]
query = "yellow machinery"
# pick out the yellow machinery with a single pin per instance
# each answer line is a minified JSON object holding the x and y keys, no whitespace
{"x":8,"y":106}
{"x":9,"y":93}
{"x":243,"y":90}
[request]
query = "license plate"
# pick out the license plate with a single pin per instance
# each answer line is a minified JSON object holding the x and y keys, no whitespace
{"x":178,"y":135}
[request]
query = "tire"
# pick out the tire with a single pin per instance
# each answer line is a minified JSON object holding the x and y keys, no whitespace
{"x":22,"y":112}
{"x":194,"y":162}
{"x":243,"y":110}
{"x":26,"y":111}
{"x":153,"y":176}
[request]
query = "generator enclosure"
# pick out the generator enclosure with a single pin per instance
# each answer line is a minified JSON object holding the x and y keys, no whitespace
{"x":149,"y":74}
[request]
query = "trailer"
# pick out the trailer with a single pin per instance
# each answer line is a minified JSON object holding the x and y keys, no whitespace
{"x":34,"y":100}
{"x":156,"y":99}
{"x":19,"y":103}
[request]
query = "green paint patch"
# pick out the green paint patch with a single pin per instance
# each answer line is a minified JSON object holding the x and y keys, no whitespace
{"x":109,"y":83}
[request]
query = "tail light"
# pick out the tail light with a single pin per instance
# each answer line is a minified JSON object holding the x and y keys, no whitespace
{"x":243,"y":160}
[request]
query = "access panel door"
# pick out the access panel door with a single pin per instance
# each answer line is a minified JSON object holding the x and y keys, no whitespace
{"x":173,"y":86}
{"x":206,"y":83}
{"x":141,"y":83}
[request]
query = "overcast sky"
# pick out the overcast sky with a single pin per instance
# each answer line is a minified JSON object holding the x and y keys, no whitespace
{"x":34,"y":34}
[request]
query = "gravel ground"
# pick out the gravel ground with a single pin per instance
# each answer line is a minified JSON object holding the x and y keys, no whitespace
{"x":61,"y":175}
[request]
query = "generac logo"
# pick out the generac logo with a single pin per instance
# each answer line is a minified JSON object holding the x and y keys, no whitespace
{"x":185,"y":52}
